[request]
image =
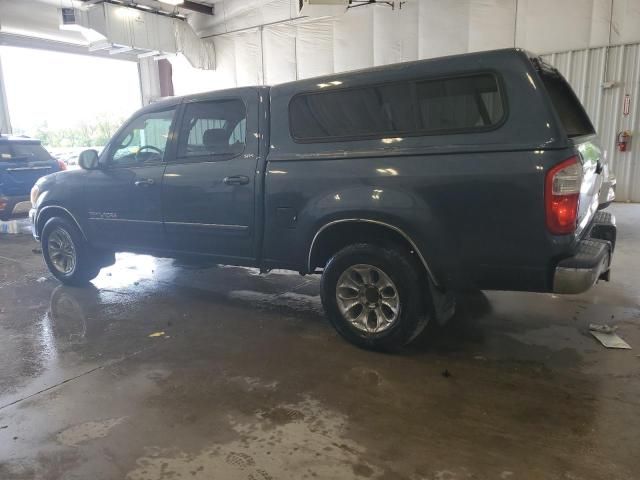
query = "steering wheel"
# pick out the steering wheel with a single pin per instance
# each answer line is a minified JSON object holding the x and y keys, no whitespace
{"x":149,"y":147}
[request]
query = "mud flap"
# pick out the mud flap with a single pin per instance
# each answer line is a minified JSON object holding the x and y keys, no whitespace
{"x":444,"y":304}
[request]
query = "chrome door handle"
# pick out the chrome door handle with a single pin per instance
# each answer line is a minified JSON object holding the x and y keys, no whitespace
{"x":144,"y":183}
{"x":236,"y":180}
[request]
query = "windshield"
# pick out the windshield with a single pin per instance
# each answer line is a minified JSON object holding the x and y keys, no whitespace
{"x":28,"y":152}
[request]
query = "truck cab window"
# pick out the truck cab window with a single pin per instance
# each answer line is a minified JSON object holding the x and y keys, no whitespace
{"x":213,"y":130}
{"x":143,"y":141}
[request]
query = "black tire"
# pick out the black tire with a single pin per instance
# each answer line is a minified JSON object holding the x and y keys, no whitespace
{"x":409,"y":281}
{"x":86,"y":265}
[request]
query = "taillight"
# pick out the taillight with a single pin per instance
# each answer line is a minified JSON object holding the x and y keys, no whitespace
{"x":62,"y":165}
{"x":562,"y":196}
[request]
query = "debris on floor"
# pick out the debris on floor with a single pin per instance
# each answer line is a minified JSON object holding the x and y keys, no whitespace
{"x":156,"y":334}
{"x":41,"y":279}
{"x":36,"y":250}
{"x":607,"y":336}
{"x":594,"y":327}
{"x":446,"y":374}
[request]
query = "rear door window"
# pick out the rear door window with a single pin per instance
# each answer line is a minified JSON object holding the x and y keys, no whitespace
{"x":447,"y":105}
{"x":25,"y":152}
{"x":213,"y":130}
{"x":574,"y":119}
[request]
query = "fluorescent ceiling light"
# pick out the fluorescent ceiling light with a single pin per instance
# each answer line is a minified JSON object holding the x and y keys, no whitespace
{"x":172,"y":2}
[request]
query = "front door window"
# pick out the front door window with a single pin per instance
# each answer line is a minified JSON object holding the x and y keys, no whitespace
{"x":144,"y":140}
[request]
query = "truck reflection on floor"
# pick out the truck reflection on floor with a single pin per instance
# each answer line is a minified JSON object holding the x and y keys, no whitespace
{"x":69,"y":310}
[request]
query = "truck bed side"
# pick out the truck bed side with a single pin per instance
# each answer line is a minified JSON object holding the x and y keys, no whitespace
{"x":472,"y":204}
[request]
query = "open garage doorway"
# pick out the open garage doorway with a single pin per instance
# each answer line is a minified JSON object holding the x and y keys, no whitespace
{"x":68,"y":101}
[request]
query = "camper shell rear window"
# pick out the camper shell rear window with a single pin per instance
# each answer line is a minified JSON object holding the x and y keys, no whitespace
{"x":572,"y":115}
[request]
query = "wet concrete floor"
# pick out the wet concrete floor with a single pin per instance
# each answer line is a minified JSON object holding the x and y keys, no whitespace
{"x":244,"y":379}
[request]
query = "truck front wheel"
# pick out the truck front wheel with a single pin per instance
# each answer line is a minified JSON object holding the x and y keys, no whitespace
{"x":68,"y":256}
{"x":374,"y":296}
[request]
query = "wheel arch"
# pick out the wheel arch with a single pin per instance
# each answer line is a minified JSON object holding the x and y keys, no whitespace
{"x":47,"y":212}
{"x":336,"y":234}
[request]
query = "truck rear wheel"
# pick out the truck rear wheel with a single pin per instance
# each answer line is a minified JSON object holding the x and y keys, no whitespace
{"x":375,"y":296}
{"x":67,"y":254}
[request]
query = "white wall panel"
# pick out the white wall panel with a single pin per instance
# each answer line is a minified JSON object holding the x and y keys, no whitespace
{"x":395,"y":33}
{"x":449,"y":28}
{"x":491,"y":24}
{"x":353,"y":40}
{"x":568,"y":28}
{"x":248,"y":58}
{"x":626,"y":21}
{"x":279,"y":53}
{"x":226,"y":59}
{"x":551,"y":25}
{"x":314,"y":48}
{"x":149,"y":80}
{"x":443,"y":27}
{"x":188,"y":80}
{"x":600,"y":23}
{"x":233,"y":15}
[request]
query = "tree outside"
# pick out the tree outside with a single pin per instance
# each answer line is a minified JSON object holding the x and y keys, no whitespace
{"x":84,"y":134}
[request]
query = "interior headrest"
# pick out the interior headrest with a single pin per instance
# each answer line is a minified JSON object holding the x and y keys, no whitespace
{"x":215,"y":136}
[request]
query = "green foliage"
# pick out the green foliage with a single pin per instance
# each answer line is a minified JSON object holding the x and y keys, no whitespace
{"x":84,"y":134}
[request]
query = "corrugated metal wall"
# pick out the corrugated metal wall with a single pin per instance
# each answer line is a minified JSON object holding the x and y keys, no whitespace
{"x":587,"y":71}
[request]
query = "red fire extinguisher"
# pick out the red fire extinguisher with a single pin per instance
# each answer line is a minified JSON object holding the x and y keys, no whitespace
{"x":623,"y":141}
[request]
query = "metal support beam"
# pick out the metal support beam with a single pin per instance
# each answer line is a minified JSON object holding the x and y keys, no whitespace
{"x":5,"y":121}
{"x":160,"y":7}
{"x":119,"y":50}
{"x":198,"y":7}
{"x":23,"y":41}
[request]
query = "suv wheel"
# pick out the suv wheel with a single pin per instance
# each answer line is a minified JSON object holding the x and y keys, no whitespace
{"x":67,"y":254}
{"x":375,"y":296}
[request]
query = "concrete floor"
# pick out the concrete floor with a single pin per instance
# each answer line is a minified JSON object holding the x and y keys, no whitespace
{"x":248,"y":380}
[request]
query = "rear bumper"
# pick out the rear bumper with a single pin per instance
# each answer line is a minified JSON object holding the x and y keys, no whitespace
{"x":14,"y":207}
{"x":592,"y":260}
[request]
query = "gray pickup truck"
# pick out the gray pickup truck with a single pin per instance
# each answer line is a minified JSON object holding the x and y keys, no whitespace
{"x":400,"y":184}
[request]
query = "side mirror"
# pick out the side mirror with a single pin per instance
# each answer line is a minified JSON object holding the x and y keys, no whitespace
{"x":88,"y":160}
